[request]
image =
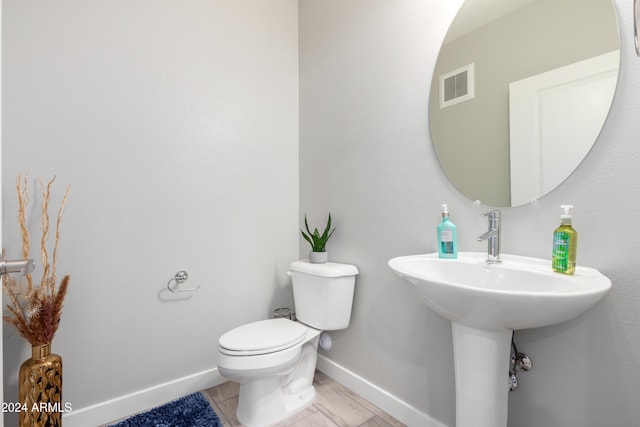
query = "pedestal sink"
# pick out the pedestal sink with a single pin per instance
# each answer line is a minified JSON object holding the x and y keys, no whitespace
{"x":485,"y":303}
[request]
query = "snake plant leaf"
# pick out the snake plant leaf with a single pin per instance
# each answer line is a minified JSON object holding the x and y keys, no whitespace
{"x":307,"y":238}
{"x":325,"y":234}
{"x":306,"y":225}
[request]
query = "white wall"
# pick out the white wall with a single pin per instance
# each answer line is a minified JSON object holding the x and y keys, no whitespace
{"x":366,"y":155}
{"x":177,"y":126}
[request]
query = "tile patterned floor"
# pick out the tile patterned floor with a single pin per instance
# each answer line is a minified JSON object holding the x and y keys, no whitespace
{"x":335,"y":406}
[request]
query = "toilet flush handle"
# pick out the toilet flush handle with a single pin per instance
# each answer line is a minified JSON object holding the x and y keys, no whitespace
{"x":291,"y":274}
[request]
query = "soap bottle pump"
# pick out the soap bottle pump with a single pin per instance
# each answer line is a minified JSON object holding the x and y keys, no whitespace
{"x":447,"y":236}
{"x":565,"y":244}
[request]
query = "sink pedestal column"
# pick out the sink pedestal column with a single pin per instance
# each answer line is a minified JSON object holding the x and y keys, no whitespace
{"x":481,"y":362}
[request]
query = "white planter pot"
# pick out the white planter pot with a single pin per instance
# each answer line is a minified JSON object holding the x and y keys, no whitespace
{"x":318,"y":257}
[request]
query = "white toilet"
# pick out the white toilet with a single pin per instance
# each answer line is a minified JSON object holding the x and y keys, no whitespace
{"x":274,"y":360}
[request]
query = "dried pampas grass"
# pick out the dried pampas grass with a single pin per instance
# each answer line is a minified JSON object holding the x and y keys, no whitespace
{"x":35,"y":310}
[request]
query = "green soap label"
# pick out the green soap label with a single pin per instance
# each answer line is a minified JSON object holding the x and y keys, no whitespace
{"x":561,"y":251}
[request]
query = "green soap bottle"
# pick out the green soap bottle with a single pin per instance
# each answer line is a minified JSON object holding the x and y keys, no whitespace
{"x":565,"y":244}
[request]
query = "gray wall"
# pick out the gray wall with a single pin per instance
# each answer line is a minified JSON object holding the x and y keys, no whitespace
{"x":176,"y":125}
{"x":366,"y":155}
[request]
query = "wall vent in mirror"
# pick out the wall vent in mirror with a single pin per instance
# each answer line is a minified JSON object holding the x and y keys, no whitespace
{"x":457,"y":86}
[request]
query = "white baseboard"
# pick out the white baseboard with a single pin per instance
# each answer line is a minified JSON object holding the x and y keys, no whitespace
{"x":123,"y":406}
{"x":393,"y":406}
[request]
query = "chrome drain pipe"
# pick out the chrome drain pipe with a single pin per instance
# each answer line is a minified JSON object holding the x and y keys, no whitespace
{"x":518,"y":362}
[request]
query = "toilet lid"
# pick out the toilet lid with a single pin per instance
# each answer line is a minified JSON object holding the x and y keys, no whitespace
{"x":264,"y":336}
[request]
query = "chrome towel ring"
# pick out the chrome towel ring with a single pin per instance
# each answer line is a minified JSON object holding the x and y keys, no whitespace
{"x":180,"y":277}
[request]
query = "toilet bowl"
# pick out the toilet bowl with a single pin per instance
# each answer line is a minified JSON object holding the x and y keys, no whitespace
{"x":278,"y":375}
{"x":274,"y":360}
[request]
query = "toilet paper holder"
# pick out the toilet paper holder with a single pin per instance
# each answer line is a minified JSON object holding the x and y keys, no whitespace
{"x":180,"y":277}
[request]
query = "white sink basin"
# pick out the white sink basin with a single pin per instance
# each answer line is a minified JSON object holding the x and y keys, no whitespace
{"x":518,"y":293}
{"x":485,"y":302}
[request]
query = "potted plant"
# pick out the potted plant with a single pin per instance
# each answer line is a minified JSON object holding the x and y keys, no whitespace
{"x":318,"y":241}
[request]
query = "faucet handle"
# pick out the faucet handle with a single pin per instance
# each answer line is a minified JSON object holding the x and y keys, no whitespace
{"x":493,"y":214}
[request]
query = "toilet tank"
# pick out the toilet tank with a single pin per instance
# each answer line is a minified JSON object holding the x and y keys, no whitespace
{"x":323,"y":293}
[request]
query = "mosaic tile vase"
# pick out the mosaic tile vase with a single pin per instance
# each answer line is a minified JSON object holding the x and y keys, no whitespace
{"x":40,"y":389}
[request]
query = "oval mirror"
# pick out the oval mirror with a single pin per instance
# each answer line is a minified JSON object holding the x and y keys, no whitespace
{"x":520,"y":92}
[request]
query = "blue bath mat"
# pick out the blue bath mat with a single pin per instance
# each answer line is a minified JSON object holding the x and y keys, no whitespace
{"x":189,"y":411}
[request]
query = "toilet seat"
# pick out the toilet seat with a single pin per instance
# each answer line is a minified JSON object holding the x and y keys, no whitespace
{"x":262,"y":337}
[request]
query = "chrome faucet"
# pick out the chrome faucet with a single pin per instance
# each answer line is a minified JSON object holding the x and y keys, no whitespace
{"x":492,"y":236}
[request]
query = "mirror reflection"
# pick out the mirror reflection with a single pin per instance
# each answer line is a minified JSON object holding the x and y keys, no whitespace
{"x":520,"y":92}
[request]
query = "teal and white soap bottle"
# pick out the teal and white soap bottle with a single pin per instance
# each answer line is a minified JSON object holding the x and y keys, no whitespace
{"x":447,"y":236}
